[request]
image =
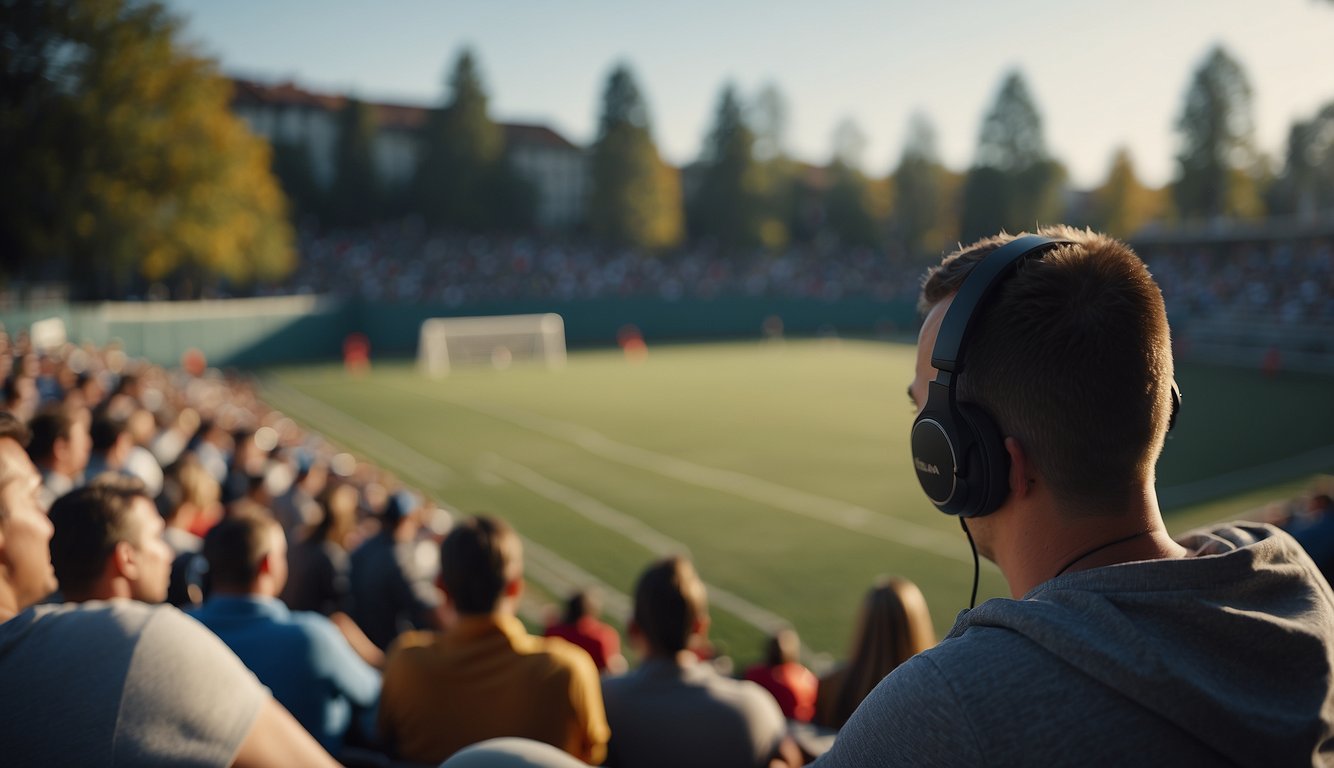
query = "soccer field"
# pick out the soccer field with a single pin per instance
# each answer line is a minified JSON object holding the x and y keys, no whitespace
{"x":781,"y":468}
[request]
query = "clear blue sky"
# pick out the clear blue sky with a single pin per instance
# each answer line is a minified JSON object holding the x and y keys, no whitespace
{"x":1104,"y":73}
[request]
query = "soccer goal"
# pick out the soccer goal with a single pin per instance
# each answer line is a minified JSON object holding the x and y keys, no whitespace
{"x":497,"y":341}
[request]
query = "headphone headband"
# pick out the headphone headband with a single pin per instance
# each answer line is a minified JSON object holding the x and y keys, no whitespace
{"x":986,"y":276}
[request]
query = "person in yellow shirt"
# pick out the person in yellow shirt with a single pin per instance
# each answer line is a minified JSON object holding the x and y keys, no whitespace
{"x":487,"y":677}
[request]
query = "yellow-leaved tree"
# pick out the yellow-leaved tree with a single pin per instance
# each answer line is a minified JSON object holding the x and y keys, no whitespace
{"x":124,"y":163}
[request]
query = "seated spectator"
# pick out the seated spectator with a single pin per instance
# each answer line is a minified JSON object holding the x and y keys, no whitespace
{"x":189,"y":502}
{"x":296,"y":508}
{"x":783,"y":675}
{"x":580,"y":626}
{"x":60,"y":446}
{"x":487,"y":677}
{"x":140,"y":461}
{"x":675,"y":710}
{"x":319,"y":562}
{"x":300,"y":656}
{"x":111,"y":444}
{"x":146,"y":685}
{"x":390,"y":594}
{"x":108,"y":543}
{"x":894,"y":625}
{"x":318,"y":570}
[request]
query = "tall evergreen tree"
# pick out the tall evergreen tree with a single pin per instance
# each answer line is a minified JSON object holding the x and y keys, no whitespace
{"x":123,"y":162}
{"x":922,"y":211}
{"x":635,"y":198}
{"x":777,"y":171}
{"x":461,"y":149}
{"x":1013,"y":184}
{"x":1216,"y":130}
{"x":355,"y":196}
{"x":729,"y":204}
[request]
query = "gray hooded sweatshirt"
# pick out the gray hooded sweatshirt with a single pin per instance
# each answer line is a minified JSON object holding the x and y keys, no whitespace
{"x":1224,"y":657}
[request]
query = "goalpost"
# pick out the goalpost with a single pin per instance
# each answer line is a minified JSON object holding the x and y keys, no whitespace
{"x":497,"y":341}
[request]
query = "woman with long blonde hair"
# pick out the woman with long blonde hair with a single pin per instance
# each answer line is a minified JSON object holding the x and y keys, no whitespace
{"x":894,"y":625}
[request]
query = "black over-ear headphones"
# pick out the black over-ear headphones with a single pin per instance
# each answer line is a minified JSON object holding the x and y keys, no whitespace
{"x":957,"y":449}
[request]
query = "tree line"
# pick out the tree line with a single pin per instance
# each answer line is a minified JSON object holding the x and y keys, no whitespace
{"x":124,"y":165}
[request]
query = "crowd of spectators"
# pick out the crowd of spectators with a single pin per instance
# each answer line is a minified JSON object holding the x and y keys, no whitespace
{"x":1282,"y":280}
{"x":385,"y":627}
{"x":402,"y":264}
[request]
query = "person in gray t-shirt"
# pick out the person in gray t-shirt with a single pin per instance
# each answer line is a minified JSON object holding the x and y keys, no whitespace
{"x":674,"y":710}
{"x":116,"y":682}
{"x":1045,"y":391}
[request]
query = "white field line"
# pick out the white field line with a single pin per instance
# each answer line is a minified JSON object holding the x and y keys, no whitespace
{"x":827,"y":510}
{"x":632,"y":528}
{"x":424,"y":468}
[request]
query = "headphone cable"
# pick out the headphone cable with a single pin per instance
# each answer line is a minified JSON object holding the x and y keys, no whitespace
{"x":976,"y":565}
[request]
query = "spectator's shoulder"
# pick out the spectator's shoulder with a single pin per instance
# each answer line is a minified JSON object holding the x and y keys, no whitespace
{"x":565,"y":653}
{"x":410,"y":645}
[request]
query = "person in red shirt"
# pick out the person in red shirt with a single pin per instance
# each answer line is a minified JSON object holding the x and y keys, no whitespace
{"x":580,"y":626}
{"x":783,"y":675}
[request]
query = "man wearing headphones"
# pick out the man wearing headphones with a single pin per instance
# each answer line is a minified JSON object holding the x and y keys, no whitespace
{"x":1044,"y":387}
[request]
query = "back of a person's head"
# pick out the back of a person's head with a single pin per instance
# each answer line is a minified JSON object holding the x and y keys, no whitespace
{"x":235,"y":549}
{"x":479,"y":557}
{"x":48,"y":426}
{"x":338,"y":513}
{"x":106,"y":428}
{"x":89,"y":522}
{"x":1072,"y":357}
{"x":582,"y":603}
{"x":782,"y":647}
{"x":198,"y":487}
{"x":894,"y":625}
{"x":670,"y":602}
{"x":399,"y":509}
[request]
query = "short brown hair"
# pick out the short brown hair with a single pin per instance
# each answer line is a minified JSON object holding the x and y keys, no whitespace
{"x":1073,"y":358}
{"x":477,"y":559}
{"x":236,"y":547}
{"x":89,"y":522}
{"x":669,"y":599}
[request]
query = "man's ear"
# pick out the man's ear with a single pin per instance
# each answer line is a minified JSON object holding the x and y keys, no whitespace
{"x":122,"y":561}
{"x":701,"y":625}
{"x":514,"y":588}
{"x":266,"y":563}
{"x":1022,"y":477}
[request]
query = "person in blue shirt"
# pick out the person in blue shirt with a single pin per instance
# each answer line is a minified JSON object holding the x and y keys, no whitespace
{"x":301,"y":656}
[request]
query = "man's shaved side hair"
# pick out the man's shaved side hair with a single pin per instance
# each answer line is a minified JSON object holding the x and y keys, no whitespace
{"x":1072,"y":357}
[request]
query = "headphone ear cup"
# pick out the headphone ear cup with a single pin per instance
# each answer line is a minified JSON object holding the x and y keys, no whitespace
{"x":986,"y":468}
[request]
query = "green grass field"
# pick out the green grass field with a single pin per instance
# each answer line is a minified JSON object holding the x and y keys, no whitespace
{"x":781,"y":468}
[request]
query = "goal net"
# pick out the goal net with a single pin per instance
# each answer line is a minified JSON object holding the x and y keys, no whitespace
{"x":497,"y":341}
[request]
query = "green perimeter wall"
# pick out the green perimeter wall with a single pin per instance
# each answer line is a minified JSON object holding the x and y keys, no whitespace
{"x":271,"y":331}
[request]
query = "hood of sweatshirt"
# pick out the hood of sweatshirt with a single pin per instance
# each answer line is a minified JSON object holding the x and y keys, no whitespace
{"x":1234,"y":644}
